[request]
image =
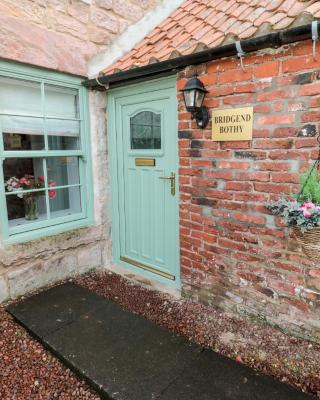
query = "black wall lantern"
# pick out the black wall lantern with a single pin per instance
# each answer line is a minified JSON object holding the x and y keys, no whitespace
{"x":193,"y":94}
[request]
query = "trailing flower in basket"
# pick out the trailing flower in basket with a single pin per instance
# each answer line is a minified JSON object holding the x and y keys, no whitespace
{"x":302,"y":212}
{"x":29,"y":182}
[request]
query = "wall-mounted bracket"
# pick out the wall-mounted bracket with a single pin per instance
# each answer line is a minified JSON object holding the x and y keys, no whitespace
{"x":240,"y":53}
{"x":315,"y":38}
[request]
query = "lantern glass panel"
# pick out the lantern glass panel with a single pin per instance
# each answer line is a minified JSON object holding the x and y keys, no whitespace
{"x":199,"y":98}
{"x":189,"y":99}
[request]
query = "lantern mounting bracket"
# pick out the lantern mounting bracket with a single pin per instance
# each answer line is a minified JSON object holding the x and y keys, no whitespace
{"x":201,"y":116}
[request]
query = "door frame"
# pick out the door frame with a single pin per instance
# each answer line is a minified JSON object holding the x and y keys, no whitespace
{"x":113,"y":95}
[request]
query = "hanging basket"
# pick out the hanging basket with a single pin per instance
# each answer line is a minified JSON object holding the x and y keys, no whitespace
{"x":310,"y":242}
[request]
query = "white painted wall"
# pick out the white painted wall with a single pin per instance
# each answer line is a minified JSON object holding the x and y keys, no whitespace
{"x":131,"y":36}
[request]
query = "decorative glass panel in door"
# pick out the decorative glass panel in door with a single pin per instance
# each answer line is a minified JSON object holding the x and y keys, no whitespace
{"x":145,"y":130}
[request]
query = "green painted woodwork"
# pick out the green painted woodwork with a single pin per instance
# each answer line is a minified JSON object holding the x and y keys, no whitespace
{"x":44,"y":88}
{"x":145,"y":213}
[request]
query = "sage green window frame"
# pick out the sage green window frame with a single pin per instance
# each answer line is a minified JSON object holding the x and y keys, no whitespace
{"x":58,"y":225}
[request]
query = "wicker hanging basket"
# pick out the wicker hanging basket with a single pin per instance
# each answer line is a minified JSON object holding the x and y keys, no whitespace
{"x":310,"y":242}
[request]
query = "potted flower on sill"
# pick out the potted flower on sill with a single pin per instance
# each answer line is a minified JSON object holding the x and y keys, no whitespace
{"x":29,"y":182}
{"x":302,"y":213}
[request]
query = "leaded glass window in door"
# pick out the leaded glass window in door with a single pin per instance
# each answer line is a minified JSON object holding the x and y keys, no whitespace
{"x":145,"y":131}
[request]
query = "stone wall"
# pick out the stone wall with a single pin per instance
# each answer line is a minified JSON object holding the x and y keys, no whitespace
{"x":64,"y":34}
{"x":234,"y":254}
{"x":28,"y":266}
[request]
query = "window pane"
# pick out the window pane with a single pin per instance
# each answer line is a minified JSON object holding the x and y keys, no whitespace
{"x":26,"y":208}
{"x":23,"y":174}
{"x":13,"y":141}
{"x":22,"y":133}
{"x":63,"y":134}
{"x":65,"y":201}
{"x":63,"y":171}
{"x":18,"y":96}
{"x":145,"y":131}
{"x":61,"y":102}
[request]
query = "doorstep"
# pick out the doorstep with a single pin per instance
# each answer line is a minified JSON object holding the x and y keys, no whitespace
{"x":126,"y":357}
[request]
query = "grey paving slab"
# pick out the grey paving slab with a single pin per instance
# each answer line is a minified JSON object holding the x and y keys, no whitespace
{"x":126,"y":357}
{"x":214,"y":377}
{"x":50,"y":310}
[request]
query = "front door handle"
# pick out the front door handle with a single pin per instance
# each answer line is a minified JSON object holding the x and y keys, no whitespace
{"x":172,"y":179}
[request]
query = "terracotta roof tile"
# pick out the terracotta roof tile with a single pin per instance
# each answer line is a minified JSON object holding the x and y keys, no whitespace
{"x":202,"y":31}
{"x":246,"y":14}
{"x":263,"y":18}
{"x":194,"y":25}
{"x":288,"y":4}
{"x":275,"y":18}
{"x":313,"y":8}
{"x":228,"y":25}
{"x":248,"y":33}
{"x":273,"y":5}
{"x":240,"y":9}
{"x":199,"y":24}
{"x":214,"y":39}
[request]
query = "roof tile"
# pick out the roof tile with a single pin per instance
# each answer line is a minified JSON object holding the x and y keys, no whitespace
{"x":194,"y":25}
{"x":240,"y":9}
{"x":201,"y":32}
{"x":255,"y":14}
{"x":275,"y":18}
{"x":313,"y":8}
{"x":248,"y":32}
{"x":263,"y":18}
{"x":284,"y":23}
{"x":199,"y":24}
{"x":273,"y":5}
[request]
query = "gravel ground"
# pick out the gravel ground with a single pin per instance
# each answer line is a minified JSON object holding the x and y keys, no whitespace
{"x":28,"y":372}
{"x":267,"y":350}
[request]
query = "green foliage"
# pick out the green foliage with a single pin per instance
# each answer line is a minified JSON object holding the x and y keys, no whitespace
{"x":278,"y":207}
{"x":311,"y":190}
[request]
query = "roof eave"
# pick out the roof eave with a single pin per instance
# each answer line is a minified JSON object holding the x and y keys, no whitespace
{"x":271,"y":40}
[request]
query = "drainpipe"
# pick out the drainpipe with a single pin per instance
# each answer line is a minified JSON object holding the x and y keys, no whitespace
{"x":272,"y":40}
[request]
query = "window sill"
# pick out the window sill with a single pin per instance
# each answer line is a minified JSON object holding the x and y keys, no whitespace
{"x":42,"y":217}
{"x":47,"y":232}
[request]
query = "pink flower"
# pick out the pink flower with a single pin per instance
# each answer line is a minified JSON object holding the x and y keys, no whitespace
{"x":52,"y":194}
{"x":308,"y":204}
{"x":307,"y":208}
{"x":306,"y":213}
{"x":51,"y":183}
{"x":24,"y":181}
{"x":41,"y":178}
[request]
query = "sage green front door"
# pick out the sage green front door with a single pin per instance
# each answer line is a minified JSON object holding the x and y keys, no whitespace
{"x":143,"y":144}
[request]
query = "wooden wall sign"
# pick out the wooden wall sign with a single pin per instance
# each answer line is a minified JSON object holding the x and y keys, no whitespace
{"x":232,"y":124}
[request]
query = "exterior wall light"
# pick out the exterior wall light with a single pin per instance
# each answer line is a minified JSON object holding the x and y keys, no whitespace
{"x":193,"y":94}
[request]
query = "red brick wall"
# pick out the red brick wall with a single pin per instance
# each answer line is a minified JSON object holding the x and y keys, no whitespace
{"x":234,"y":254}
